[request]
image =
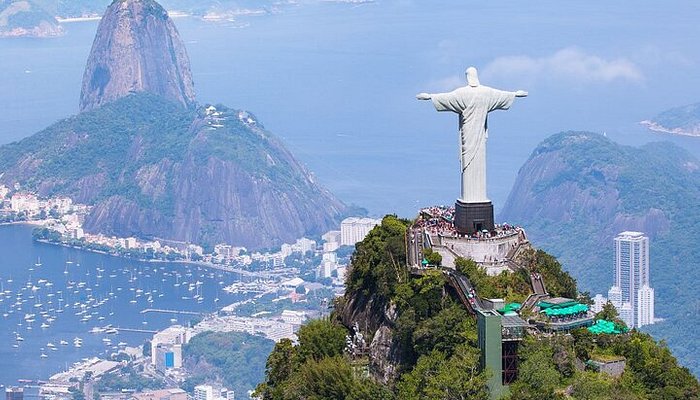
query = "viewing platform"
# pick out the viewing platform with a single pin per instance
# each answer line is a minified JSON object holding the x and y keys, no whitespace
{"x":494,"y":250}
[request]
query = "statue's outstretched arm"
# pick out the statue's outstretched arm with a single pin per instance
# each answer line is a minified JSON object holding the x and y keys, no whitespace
{"x":520,"y":93}
{"x":423,"y":96}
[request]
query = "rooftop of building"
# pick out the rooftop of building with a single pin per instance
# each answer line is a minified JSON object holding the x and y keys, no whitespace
{"x":512,"y":321}
{"x":157,"y":394}
{"x":630,"y":234}
{"x":360,"y":220}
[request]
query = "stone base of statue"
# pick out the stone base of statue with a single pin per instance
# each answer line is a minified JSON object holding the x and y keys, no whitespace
{"x":473,"y":217}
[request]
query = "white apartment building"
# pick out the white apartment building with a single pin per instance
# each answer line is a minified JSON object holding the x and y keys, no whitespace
{"x":631,"y":275}
{"x":331,"y":237}
{"x":174,"y":335}
{"x":598,"y":302}
{"x":645,"y":306}
{"x":24,"y":202}
{"x":353,"y":230}
{"x":203,"y":392}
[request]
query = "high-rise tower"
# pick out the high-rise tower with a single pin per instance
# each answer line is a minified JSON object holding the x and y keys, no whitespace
{"x":636,"y":298}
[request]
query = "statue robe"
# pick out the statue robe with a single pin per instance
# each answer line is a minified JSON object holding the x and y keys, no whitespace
{"x":473,"y":105}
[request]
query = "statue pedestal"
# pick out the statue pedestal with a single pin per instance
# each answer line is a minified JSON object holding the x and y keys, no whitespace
{"x":473,"y":217}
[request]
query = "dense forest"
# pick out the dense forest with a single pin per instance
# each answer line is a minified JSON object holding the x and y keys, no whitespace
{"x":437,"y":341}
{"x":233,"y":359}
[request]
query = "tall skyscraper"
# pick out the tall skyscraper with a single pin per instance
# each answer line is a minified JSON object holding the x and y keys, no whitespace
{"x":632,"y":280}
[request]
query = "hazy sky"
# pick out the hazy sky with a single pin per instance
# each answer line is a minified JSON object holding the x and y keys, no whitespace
{"x":337,"y":82}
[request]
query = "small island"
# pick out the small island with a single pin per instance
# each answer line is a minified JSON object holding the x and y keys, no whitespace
{"x":684,"y":120}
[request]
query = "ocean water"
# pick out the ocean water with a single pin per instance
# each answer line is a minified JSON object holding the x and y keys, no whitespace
{"x":337,"y":83}
{"x":77,"y":291}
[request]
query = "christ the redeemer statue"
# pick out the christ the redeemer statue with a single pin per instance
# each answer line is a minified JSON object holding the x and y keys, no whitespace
{"x":473,"y":103}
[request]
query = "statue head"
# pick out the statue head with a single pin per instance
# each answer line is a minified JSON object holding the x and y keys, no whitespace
{"x":472,"y":77}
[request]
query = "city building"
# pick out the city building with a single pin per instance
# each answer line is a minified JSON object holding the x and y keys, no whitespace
{"x":615,"y":296}
{"x":24,"y":202}
{"x":203,"y":392}
{"x":645,"y":306}
{"x":631,"y":275}
{"x":353,"y":230}
{"x":598,"y":302}
{"x":14,"y":393}
{"x":168,"y":356}
{"x":164,"y":394}
{"x":331,"y":237}
{"x":174,"y":335}
{"x":32,"y":392}
{"x":626,"y":313}
{"x":293,"y":317}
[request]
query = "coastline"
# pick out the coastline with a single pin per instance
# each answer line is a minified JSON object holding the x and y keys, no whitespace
{"x":77,"y":19}
{"x":654,"y":127}
{"x":183,"y":262}
{"x":33,"y":223}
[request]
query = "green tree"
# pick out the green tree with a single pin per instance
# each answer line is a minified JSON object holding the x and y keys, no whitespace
{"x":277,"y":370}
{"x":538,"y":379}
{"x":438,"y":377}
{"x":433,"y":257}
{"x":319,"y":339}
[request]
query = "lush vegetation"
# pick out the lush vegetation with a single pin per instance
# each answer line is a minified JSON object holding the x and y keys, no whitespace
{"x":27,"y":18}
{"x":435,"y":339}
{"x":128,"y":378}
{"x":316,"y":368}
{"x":656,"y":183}
{"x":146,"y":150}
{"x":237,"y":360}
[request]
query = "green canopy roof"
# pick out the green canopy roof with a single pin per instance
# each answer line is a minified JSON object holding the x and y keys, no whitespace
{"x":570,"y":310}
{"x":603,"y":326}
{"x":510,"y":308}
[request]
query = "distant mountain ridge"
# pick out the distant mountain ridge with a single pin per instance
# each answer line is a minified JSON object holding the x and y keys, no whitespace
{"x":683,"y":120}
{"x":579,"y":189}
{"x":25,"y":18}
{"x":155,"y":164}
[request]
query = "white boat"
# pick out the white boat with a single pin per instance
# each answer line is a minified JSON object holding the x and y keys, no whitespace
{"x":64,"y":343}
{"x":44,"y":355}
{"x":45,"y":325}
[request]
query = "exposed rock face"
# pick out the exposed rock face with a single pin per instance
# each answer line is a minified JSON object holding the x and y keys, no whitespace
{"x":377,"y":320}
{"x":579,"y":189}
{"x":153,"y":169}
{"x":137,"y":49}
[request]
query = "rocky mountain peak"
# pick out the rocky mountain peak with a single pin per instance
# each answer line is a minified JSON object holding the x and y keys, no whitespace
{"x":137,"y":49}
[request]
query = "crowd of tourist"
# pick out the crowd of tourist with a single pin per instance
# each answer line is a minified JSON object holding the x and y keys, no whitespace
{"x":438,"y":220}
